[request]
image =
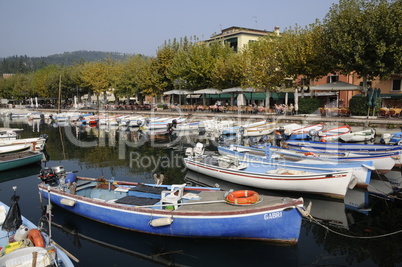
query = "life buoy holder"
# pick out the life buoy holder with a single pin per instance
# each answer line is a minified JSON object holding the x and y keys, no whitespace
{"x":36,"y":237}
{"x":310,"y":154}
{"x":243,"y":197}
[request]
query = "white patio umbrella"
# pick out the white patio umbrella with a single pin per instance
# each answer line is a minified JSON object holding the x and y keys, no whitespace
{"x":36,"y":102}
{"x":296,"y":100}
{"x":241,"y":100}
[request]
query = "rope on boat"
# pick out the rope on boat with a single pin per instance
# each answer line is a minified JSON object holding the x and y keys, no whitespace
{"x":352,"y":236}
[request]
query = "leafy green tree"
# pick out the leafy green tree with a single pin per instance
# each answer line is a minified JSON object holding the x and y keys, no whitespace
{"x":362,"y":37}
{"x":303,"y":51}
{"x":262,"y":69}
{"x":6,"y":87}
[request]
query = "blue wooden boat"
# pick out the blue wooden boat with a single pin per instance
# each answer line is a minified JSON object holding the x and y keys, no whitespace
{"x":176,"y":210}
{"x":19,"y":159}
{"x":361,"y":170}
{"x":382,"y":162}
{"x":20,"y":238}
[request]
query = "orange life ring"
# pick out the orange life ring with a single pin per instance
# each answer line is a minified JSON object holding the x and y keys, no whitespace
{"x":36,"y":237}
{"x":310,"y":154}
{"x":243,"y":197}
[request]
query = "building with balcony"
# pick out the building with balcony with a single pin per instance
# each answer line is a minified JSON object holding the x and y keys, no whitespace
{"x":239,"y":37}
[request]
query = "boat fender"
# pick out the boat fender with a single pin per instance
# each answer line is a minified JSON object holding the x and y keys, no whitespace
{"x":242,"y":197}
{"x":71,"y":177}
{"x":353,"y":183}
{"x":369,"y":167}
{"x":21,"y":233}
{"x":2,"y":214}
{"x":67,"y":202}
{"x":310,"y":154}
{"x":36,"y":237}
{"x":161,"y":222}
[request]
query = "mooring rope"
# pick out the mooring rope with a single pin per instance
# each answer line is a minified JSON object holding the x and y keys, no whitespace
{"x":311,"y":218}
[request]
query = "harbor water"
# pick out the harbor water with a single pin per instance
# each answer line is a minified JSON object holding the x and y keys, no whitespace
{"x":364,"y":229}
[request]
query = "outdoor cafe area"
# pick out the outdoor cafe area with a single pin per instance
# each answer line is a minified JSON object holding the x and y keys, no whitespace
{"x":232,"y":100}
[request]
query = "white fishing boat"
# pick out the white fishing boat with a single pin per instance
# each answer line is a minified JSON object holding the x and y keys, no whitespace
{"x":303,"y":132}
{"x":235,"y":129}
{"x":215,"y":125}
{"x":35,"y":143}
{"x":361,"y":170}
{"x":273,"y":177}
{"x":261,"y":130}
{"x":359,"y":136}
{"x":330,"y":135}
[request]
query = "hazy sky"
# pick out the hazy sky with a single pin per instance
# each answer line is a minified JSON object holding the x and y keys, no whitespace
{"x":46,"y":27}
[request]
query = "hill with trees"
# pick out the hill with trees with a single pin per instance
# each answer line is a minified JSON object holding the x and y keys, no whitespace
{"x":25,"y":64}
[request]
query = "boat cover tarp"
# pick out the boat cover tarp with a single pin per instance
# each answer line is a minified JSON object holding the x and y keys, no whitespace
{"x":137,"y":201}
{"x":148,"y":189}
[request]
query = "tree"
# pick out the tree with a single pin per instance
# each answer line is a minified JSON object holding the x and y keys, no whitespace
{"x":302,"y":51}
{"x":362,"y":37}
{"x":94,"y":75}
{"x":262,"y":68}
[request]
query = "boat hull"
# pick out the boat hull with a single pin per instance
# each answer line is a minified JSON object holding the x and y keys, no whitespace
{"x":332,"y":185}
{"x":19,"y":159}
{"x":262,"y":223}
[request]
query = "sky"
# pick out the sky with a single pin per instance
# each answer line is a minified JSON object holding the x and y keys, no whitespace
{"x":47,"y":27}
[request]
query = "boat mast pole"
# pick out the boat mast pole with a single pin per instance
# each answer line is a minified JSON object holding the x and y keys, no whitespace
{"x":59,"y":100}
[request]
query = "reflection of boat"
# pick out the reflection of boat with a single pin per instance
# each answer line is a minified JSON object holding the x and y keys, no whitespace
{"x":19,"y":159}
{"x":23,"y":244}
{"x":22,"y":172}
{"x":395,"y":179}
{"x":176,"y":210}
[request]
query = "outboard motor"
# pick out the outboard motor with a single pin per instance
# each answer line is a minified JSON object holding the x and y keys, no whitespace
{"x":263,"y":139}
{"x":48,"y":176}
{"x":170,"y":128}
{"x":174,"y":123}
{"x":252,"y":141}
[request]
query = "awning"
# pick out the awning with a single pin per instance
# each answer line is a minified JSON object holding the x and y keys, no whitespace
{"x":207,"y":91}
{"x":177,"y":92}
{"x":280,"y":95}
{"x":254,"y":96}
{"x":384,"y":96}
{"x":237,"y":90}
{"x":336,"y":86}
